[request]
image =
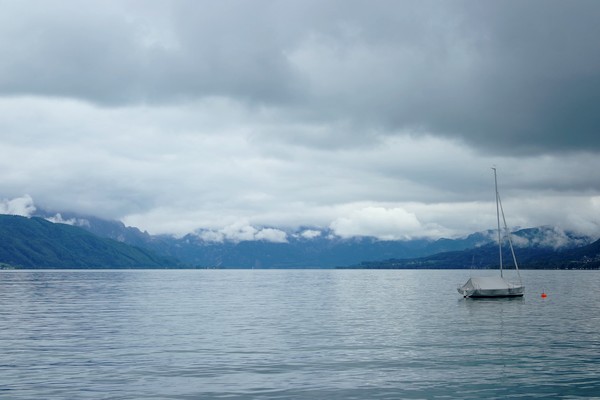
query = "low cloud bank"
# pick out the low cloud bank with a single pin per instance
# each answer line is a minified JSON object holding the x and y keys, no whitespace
{"x":388,"y":223}
{"x":58,"y":219}
{"x":242,"y":231}
{"x":383,"y":223}
{"x":22,"y":206}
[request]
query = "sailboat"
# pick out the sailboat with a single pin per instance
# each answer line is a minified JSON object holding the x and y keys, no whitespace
{"x":495,"y":286}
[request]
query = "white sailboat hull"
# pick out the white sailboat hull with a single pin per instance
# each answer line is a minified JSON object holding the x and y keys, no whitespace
{"x":490,"y":286}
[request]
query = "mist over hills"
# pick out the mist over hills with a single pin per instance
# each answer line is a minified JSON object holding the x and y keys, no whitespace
{"x":322,"y":249}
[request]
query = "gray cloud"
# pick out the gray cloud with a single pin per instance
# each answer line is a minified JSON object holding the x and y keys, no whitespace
{"x":506,"y":76}
{"x":381,"y":118}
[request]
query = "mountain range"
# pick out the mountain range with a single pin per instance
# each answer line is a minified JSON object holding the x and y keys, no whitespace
{"x":486,"y":257}
{"x":75,"y":241}
{"x":321,"y":250}
{"x":38,"y":243}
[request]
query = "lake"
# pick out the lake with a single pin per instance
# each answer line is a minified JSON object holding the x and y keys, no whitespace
{"x":294,"y":334}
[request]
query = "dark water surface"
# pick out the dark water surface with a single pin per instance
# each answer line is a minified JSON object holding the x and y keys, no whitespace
{"x":292,"y":334}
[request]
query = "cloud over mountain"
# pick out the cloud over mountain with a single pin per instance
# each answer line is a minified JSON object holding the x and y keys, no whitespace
{"x":22,"y":206}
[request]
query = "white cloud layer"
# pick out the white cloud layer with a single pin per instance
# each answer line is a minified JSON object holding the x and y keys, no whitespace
{"x":242,"y":231}
{"x":377,"y":119}
{"x":22,"y":206}
{"x":389,"y":224}
{"x":58,"y":219}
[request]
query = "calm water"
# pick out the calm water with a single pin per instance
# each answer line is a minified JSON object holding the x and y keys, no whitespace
{"x":294,"y":334}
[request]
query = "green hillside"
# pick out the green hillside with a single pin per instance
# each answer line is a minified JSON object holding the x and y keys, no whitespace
{"x":37,"y":243}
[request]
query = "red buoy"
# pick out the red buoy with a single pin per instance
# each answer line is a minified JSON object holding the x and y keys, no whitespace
{"x":544,"y":295}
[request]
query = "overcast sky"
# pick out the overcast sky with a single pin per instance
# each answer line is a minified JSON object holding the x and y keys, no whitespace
{"x":377,"y":118}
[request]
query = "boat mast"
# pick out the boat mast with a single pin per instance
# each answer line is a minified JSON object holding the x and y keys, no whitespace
{"x":498,"y":218}
{"x":512,"y":250}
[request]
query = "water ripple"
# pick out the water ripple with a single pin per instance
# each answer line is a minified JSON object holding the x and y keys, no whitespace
{"x":294,"y":335}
